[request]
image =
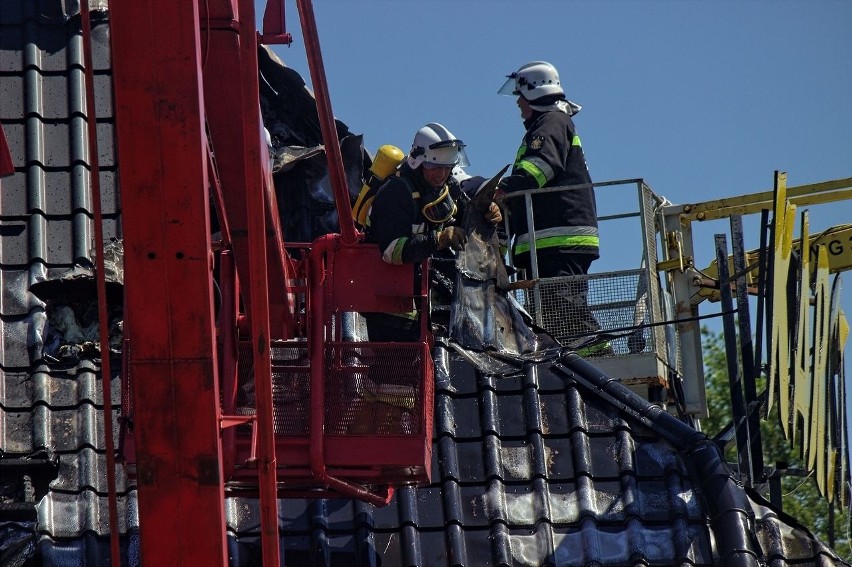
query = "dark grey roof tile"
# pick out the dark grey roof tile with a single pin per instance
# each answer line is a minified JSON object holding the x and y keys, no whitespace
{"x":548,"y":383}
{"x":86,"y":470}
{"x":433,"y":548}
{"x":48,"y":96}
{"x":388,"y":517}
{"x":47,"y":45}
{"x":463,"y":377}
{"x":17,"y":391}
{"x":559,"y":459}
{"x":656,"y":459}
{"x":17,"y":431}
{"x":482,"y":545}
{"x":489,"y":412}
{"x":532,"y":546}
{"x":554,"y":417}
{"x":472,"y":503}
{"x":11,"y":91}
{"x":429,"y":512}
{"x":610,"y":456}
{"x":71,"y":515}
{"x":468,"y":460}
{"x":17,"y":303}
{"x":466,"y":418}
{"x":516,"y":456}
{"x":447,"y":462}
{"x":69,"y":387}
{"x":407,"y":507}
{"x":564,"y":504}
{"x":12,"y":38}
{"x":338,"y":513}
{"x":450,"y":494}
{"x":387,"y":544}
{"x":18,"y":334}
{"x":510,"y":418}
{"x":505,"y":384}
{"x":648,"y":499}
{"x":491,"y":457}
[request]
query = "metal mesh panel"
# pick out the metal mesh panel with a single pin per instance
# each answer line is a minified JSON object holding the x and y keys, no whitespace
{"x":571,"y":307}
{"x":371,"y":388}
{"x":650,"y":206}
{"x":291,"y":391}
{"x":245,"y":380}
{"x":291,"y":388}
{"x":374,"y":388}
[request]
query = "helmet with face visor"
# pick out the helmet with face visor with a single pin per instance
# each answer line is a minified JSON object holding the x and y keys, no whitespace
{"x":533,"y":81}
{"x":435,"y":145}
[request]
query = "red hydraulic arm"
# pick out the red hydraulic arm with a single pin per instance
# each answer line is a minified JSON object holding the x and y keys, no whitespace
{"x":326,"y":117}
{"x":188,"y":126}
{"x":183,"y":70}
{"x":161,"y":141}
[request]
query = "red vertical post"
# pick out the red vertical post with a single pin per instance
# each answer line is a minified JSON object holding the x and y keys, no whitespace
{"x":258,"y":281}
{"x":103,"y":324}
{"x":162,"y":153}
{"x":336,"y":174}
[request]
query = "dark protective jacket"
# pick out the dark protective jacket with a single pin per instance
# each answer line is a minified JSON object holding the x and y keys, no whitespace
{"x":551,"y":156}
{"x":402,"y":232}
{"x":397,"y":223}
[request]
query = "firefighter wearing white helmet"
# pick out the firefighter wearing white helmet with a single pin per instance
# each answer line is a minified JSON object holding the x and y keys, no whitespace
{"x":414,"y":216}
{"x":435,"y":145}
{"x":551,"y":155}
{"x":533,"y":80}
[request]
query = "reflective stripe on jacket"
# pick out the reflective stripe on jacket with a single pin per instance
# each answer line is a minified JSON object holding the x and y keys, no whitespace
{"x":551,"y":155}
{"x":584,"y":239}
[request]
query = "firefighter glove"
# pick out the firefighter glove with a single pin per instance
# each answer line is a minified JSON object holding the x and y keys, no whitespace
{"x":493,"y":214}
{"x":452,"y":237}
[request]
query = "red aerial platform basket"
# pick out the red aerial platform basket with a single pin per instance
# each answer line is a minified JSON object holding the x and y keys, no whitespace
{"x":351,"y":418}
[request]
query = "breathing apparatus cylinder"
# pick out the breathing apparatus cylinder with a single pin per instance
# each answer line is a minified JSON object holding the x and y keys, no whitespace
{"x":387,"y":160}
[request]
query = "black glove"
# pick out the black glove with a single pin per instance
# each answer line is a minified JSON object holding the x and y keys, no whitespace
{"x":452,"y":237}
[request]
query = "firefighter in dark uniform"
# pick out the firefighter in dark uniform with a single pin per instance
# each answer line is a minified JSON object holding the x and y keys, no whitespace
{"x":414,"y":216}
{"x":550,"y":155}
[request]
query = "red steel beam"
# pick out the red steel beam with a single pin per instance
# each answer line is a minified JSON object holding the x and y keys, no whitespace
{"x":233,"y":107}
{"x":97,"y":213}
{"x":336,"y":174}
{"x":162,"y":150}
{"x":231,"y":86}
{"x":274,"y":24}
{"x":256,"y":194}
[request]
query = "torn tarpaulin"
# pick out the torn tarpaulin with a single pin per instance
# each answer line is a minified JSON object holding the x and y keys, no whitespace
{"x":483,"y":315}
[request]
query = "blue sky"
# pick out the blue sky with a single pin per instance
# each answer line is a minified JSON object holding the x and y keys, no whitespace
{"x":702,"y":100}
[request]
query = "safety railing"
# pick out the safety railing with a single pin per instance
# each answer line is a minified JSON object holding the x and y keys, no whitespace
{"x":625,"y":309}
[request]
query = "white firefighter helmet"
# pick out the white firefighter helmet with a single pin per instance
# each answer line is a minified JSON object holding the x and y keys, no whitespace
{"x":436,"y":145}
{"x":533,"y":81}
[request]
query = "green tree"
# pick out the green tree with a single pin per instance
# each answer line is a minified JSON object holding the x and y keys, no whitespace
{"x":801,"y":499}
